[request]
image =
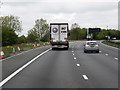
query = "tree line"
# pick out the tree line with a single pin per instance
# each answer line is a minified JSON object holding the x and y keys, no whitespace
{"x":78,"y":33}
{"x":11,"y":26}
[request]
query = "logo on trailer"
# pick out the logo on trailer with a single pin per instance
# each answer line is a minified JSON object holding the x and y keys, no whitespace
{"x":55,"y":30}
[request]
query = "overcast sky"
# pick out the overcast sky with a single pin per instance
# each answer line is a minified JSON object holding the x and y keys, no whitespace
{"x":87,"y":13}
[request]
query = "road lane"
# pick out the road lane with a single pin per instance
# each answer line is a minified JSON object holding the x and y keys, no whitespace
{"x":56,"y":69}
{"x":60,"y":69}
{"x":106,"y":49}
{"x":12,"y":64}
{"x":22,"y":68}
{"x":102,"y":70}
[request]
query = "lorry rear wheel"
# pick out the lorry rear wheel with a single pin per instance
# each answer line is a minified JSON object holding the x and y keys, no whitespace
{"x":67,"y":47}
{"x":53,"y":48}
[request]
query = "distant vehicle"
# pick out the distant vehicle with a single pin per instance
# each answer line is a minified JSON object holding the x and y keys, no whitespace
{"x":91,"y":46}
{"x":59,"y":33}
{"x":114,"y":38}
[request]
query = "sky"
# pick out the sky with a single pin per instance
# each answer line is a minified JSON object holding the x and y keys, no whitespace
{"x":87,"y":13}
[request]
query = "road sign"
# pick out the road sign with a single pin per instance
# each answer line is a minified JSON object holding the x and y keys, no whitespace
{"x":94,"y":30}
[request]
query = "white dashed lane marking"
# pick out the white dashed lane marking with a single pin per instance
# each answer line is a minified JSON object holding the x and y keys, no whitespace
{"x":85,"y":77}
{"x":73,"y":54}
{"x":106,"y":54}
{"x":72,"y":51}
{"x":78,"y":65}
{"x":100,"y":51}
{"x":116,"y":58}
{"x":75,"y":58}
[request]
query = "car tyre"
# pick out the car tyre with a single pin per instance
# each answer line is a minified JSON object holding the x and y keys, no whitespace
{"x":85,"y":51}
{"x":97,"y":51}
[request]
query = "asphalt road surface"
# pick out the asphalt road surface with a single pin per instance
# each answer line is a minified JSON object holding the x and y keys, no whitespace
{"x":62,"y":68}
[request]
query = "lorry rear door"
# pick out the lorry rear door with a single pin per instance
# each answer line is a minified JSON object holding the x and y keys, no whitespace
{"x":63,"y":32}
{"x":55,"y":33}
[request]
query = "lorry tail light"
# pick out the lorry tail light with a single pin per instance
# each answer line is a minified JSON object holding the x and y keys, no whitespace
{"x":66,"y":39}
{"x":52,"y":39}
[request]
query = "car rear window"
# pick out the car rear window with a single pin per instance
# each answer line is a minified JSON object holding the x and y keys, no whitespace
{"x":91,"y":43}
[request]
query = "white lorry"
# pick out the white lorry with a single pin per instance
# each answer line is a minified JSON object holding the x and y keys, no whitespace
{"x":59,"y":33}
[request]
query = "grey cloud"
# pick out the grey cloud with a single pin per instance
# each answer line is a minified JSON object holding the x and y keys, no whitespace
{"x":87,"y":14}
{"x":65,"y":7}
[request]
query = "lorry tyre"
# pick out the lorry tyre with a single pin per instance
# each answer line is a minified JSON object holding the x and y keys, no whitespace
{"x":53,"y":48}
{"x":67,"y":47}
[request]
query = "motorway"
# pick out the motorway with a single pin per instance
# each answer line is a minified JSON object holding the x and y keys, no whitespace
{"x":62,"y":68}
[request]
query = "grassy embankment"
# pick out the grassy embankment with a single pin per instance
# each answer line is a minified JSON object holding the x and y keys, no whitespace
{"x":8,"y":50}
{"x":111,"y":43}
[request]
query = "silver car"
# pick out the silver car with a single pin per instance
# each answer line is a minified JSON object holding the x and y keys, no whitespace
{"x":91,"y":46}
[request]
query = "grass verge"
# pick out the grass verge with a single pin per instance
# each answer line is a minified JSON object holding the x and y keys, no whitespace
{"x":114,"y":44}
{"x":8,"y":50}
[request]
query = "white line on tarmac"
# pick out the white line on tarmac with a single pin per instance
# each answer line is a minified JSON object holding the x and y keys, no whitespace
{"x":106,"y":54}
{"x":116,"y":58}
{"x":72,"y":51}
{"x":75,"y":58}
{"x":85,"y":77}
{"x":78,"y":65}
{"x":108,"y":46}
{"x":100,"y":51}
{"x":20,"y":69}
{"x":73,"y":54}
{"x":20,"y":53}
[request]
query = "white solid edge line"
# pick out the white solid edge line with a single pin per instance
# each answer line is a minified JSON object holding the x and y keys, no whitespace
{"x":78,"y":65}
{"x":21,"y":53}
{"x":85,"y":77}
{"x":18,"y":54}
{"x":20,"y":69}
{"x":108,"y":45}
